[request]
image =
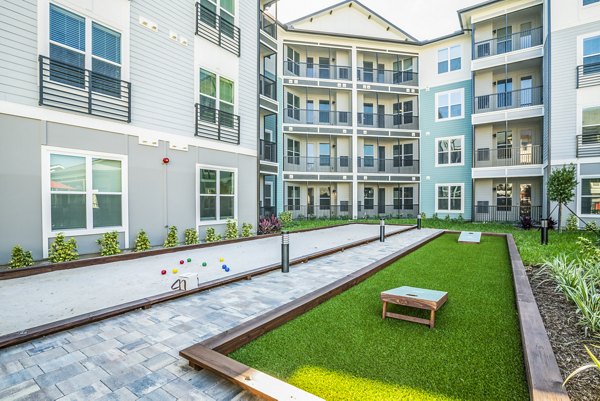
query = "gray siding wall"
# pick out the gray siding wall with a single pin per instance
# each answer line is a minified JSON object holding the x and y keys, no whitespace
{"x":18,"y":51}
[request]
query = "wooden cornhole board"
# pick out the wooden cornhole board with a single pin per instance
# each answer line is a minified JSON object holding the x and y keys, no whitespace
{"x":470,"y":237}
{"x":419,"y":298}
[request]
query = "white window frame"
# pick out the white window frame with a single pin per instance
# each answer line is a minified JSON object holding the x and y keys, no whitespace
{"x":449,"y":94}
{"x":217,"y":97}
{"x":47,"y":231}
{"x":462,"y":198}
{"x":596,"y":3}
{"x":200,"y":223}
{"x":581,"y":38}
{"x":462,"y":151}
{"x":218,"y":7}
{"x":449,"y":59}
{"x":580,"y":194}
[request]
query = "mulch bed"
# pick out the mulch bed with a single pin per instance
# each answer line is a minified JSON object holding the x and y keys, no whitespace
{"x":567,"y":338}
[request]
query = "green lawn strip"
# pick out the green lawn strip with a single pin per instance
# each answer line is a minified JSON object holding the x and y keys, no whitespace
{"x":528,"y":241}
{"x":343,"y":350}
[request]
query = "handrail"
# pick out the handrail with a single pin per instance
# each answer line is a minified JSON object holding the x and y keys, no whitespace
{"x":375,"y":75}
{"x":505,"y":44}
{"x":508,"y":156}
{"x":509,"y":100}
{"x":317,"y":117}
{"x":217,"y":124}
{"x":315,"y":70}
{"x":216,"y":29}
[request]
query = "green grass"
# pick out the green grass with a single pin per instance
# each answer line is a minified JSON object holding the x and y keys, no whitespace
{"x":528,"y":241}
{"x":343,"y":350}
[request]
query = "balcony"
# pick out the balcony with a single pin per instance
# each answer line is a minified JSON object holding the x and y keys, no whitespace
{"x":268,"y":151}
{"x":320,"y":164}
{"x":268,"y":25}
{"x":506,"y":44}
{"x":588,"y":145}
{"x":317,"y":117}
{"x":508,"y":156}
{"x":371,"y":165}
{"x":302,"y":212}
{"x":72,"y":88}
{"x":217,"y":124}
{"x":268,"y":87}
{"x":317,"y":71}
{"x":372,"y":75}
{"x":506,"y":214}
{"x":398,"y":210}
{"x":588,"y":75}
{"x":217,"y":30}
{"x":508,"y":100}
{"x":406,"y":121}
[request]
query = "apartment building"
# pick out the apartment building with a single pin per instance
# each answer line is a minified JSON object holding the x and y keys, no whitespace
{"x":126,"y":115}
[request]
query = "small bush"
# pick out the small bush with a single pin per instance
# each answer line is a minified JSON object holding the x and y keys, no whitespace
{"x":20,"y":258}
{"x":231,"y":229}
{"x":423,"y":215}
{"x":172,"y":240}
{"x":572,"y":223}
{"x":109,"y":244}
{"x":551,"y":223}
{"x":447,"y":218}
{"x":190,"y":236}
{"x":285,"y":218}
{"x":142,"y":242}
{"x":460,"y":218}
{"x":63,"y":251}
{"x":588,"y":251}
{"x":211,"y":236}
{"x":526,"y":223}
{"x":269,"y":225}
{"x":435,"y":216}
{"x":591,"y":226}
{"x":247,"y":230}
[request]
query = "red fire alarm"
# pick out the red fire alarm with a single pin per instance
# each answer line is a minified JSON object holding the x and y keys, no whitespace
{"x":166,"y":160}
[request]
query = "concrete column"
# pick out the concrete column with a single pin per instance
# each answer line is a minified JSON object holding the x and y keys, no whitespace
{"x":354,"y":60}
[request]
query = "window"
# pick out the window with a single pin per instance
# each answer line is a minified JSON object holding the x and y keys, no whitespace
{"x":324,"y":154}
{"x":403,"y":155}
{"x":590,"y":196}
{"x":293,"y":198}
{"x":225,"y":9}
{"x":403,"y":198}
{"x":449,"y":105}
{"x":86,"y":192}
{"x":369,"y":198}
{"x":504,"y":193}
{"x":449,"y":59}
{"x":69,"y":56}
{"x":217,"y":190}
{"x":215,"y":97}
{"x":591,"y":126}
{"x":293,"y":62}
{"x":588,"y":2}
{"x":293,"y":107}
{"x":324,"y":198}
{"x":591,"y":55}
{"x":369,"y":155}
{"x":504,"y":40}
{"x":293,"y":151}
{"x":449,"y":151}
{"x":449,"y":198}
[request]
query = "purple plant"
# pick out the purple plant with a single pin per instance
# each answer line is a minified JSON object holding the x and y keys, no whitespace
{"x":551,"y":223}
{"x":269,"y":225}
{"x":526,"y":222}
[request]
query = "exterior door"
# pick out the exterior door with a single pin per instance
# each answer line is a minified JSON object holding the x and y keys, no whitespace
{"x":525,"y":200}
{"x":504,"y":90}
{"x":381,"y":157}
{"x":526,"y":151}
{"x":381,"y":201}
{"x":310,"y":157}
{"x":310,"y":111}
{"x":381,"y":116}
{"x":367,"y":114}
{"x":310,"y":67}
{"x":324,"y":111}
{"x":504,"y":144}
{"x":293,"y":61}
{"x":368,"y":71}
{"x":526,"y":91}
{"x":504,"y":37}
{"x":381,"y":73}
{"x":324,"y":68}
{"x":525,"y":35}
{"x":310,"y":202}
{"x":268,"y":195}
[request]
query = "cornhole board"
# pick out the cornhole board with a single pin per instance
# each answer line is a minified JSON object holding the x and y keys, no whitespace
{"x":470,"y":237}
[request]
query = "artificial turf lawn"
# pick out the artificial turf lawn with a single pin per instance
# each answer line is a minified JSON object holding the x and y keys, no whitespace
{"x":343,"y":350}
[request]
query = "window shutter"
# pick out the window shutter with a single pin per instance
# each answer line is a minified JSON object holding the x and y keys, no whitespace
{"x":67,"y":28}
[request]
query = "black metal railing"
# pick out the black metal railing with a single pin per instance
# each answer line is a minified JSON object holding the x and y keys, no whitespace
{"x":506,"y":214}
{"x":374,"y":75}
{"x":390,"y":121}
{"x":217,"y":124}
{"x":509,"y":100}
{"x":76,"y":89}
{"x":322,"y":211}
{"x":320,"y":71}
{"x":398,"y":165}
{"x":217,"y":29}
{"x":505,"y":44}
{"x":400,"y":209}
{"x":588,"y":75}
{"x":317,"y":117}
{"x":268,"y":25}
{"x":268,"y":87}
{"x":268,"y":151}
{"x":588,"y":145}
{"x":319,"y":164}
{"x":508,"y":156}
{"x":267,"y":211}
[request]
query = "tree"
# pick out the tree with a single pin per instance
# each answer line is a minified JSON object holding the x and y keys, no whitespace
{"x":561,"y":188}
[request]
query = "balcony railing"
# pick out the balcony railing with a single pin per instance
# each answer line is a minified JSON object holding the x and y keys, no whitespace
{"x":322,"y":211}
{"x":506,"y":44}
{"x":217,"y":124}
{"x":588,"y":145}
{"x":267,"y":211}
{"x":508,"y":156}
{"x":320,"y":164}
{"x":268,"y":87}
{"x":76,"y":89}
{"x":506,"y":214}
{"x":588,"y":75}
{"x":268,"y":151}
{"x":216,"y":29}
{"x":509,"y":100}
{"x":389,"y":121}
{"x":391,"y":77}
{"x":317,"y":117}
{"x":320,"y":71}
{"x":268,"y":25}
{"x":398,"y":165}
{"x":400,"y":209}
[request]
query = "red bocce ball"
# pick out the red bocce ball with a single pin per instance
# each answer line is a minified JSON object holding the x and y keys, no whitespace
{"x":166,"y":160}
{"x":163,"y":272}
{"x":181,"y":262}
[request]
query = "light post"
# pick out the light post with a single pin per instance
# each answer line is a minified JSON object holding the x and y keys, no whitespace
{"x":285,"y":252}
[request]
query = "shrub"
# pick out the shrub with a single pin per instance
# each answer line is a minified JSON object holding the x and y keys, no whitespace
{"x":526,"y":222}
{"x":20,"y":258}
{"x":460,"y":218}
{"x":285,"y":218}
{"x":269,"y":225}
{"x":142,"y":242}
{"x":63,"y":251}
{"x":247,"y":230}
{"x":587,"y":250}
{"x":109,"y":244}
{"x":551,"y":223}
{"x":572,"y":223}
{"x":423,"y":215}
{"x":190,"y":236}
{"x":447,"y":218}
{"x":231,"y":229}
{"x":435,"y":216}
{"x":172,"y":240}
{"x":211,"y":236}
{"x":591,"y":226}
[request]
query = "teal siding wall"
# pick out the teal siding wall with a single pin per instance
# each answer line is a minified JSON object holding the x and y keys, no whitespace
{"x":430,"y":130}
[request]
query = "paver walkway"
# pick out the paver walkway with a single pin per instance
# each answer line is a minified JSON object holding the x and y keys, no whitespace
{"x":66,"y":293}
{"x":135,"y":356}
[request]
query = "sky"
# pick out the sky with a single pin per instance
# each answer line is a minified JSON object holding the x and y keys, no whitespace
{"x":423,"y":19}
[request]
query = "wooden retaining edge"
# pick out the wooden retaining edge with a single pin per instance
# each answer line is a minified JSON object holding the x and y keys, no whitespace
{"x":22,"y":336}
{"x":543,"y":374}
